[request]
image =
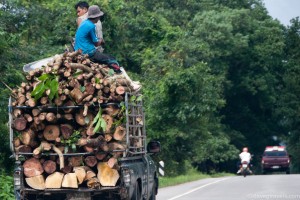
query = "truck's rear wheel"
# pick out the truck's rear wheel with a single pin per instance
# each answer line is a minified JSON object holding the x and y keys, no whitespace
{"x":153,"y":192}
{"x":137,"y":192}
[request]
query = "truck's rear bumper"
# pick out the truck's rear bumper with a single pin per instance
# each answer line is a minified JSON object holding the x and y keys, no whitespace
{"x":62,"y":194}
{"x":81,"y":190}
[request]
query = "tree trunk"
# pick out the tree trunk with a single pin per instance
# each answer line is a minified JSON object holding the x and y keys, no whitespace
{"x":51,"y":132}
{"x":36,"y":182}
{"x":80,"y":174}
{"x":32,"y":167}
{"x":106,"y":175}
{"x":90,"y":161}
{"x":67,"y":169}
{"x":23,"y":149}
{"x":119,"y":133}
{"x":70,"y":181}
{"x":49,"y":166}
{"x":20,"y":123}
{"x":44,"y":146}
{"x":28,"y":137}
{"x":54,"y":181}
{"x":75,"y":161}
{"x":66,"y":130}
{"x":109,"y":122}
{"x":93,"y":183}
{"x":89,"y":173}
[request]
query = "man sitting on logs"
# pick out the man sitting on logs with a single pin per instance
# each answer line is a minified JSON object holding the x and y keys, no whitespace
{"x":87,"y":41}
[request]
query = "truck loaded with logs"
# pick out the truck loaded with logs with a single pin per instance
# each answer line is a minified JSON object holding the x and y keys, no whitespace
{"x":77,"y":131}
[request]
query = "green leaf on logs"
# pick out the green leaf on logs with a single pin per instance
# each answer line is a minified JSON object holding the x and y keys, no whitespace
{"x":97,"y":127}
{"x":103,"y":124}
{"x":97,"y":116}
{"x":66,"y":149}
{"x":71,"y":142}
{"x":111,"y":72}
{"x":82,"y":88}
{"x":77,"y":73}
{"x":38,"y":91}
{"x":44,"y":77}
{"x":48,"y":81}
{"x":99,"y":121}
{"x":53,"y":89}
{"x":73,"y":147}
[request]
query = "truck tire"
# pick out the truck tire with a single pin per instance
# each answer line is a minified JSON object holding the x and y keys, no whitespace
{"x":153,"y":192}
{"x":137,"y":192}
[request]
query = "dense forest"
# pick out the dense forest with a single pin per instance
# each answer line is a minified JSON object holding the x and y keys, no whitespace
{"x":217,"y":75}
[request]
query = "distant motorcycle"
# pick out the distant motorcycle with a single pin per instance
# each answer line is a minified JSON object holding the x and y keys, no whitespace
{"x":245,"y":169}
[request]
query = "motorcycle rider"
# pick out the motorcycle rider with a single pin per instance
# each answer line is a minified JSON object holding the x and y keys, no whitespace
{"x":245,"y":156}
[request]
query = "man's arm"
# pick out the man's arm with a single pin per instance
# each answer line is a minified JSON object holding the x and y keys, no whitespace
{"x":99,"y":42}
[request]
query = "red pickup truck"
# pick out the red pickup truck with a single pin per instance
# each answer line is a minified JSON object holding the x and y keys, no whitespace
{"x":275,"y":158}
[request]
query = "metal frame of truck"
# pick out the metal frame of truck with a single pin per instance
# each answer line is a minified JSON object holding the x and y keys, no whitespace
{"x":138,"y":174}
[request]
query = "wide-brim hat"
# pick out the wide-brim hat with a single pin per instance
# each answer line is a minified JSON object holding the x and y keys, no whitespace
{"x":94,"y":11}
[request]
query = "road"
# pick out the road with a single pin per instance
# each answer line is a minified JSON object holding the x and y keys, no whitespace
{"x":261,"y":187}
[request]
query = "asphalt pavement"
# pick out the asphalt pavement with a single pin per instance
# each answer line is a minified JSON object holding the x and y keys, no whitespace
{"x":255,"y":187}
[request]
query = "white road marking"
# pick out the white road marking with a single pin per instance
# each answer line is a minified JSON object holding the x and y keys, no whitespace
{"x":198,"y":188}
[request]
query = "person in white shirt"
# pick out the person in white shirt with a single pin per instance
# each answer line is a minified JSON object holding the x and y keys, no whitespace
{"x":245,"y":156}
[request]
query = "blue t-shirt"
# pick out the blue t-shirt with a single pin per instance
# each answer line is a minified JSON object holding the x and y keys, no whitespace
{"x":86,"y":38}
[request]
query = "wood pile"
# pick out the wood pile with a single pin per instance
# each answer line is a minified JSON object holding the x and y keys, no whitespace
{"x":68,"y":122}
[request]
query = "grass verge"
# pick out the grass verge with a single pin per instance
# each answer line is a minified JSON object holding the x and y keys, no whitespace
{"x":191,"y":176}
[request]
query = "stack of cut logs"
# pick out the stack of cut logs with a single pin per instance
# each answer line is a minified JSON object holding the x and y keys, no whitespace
{"x":58,"y":134}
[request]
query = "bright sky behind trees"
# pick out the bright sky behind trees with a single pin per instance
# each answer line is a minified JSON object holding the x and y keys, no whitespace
{"x":283,"y":10}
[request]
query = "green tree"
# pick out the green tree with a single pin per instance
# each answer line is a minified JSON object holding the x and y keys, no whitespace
{"x":211,"y":70}
{"x":289,"y":98}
